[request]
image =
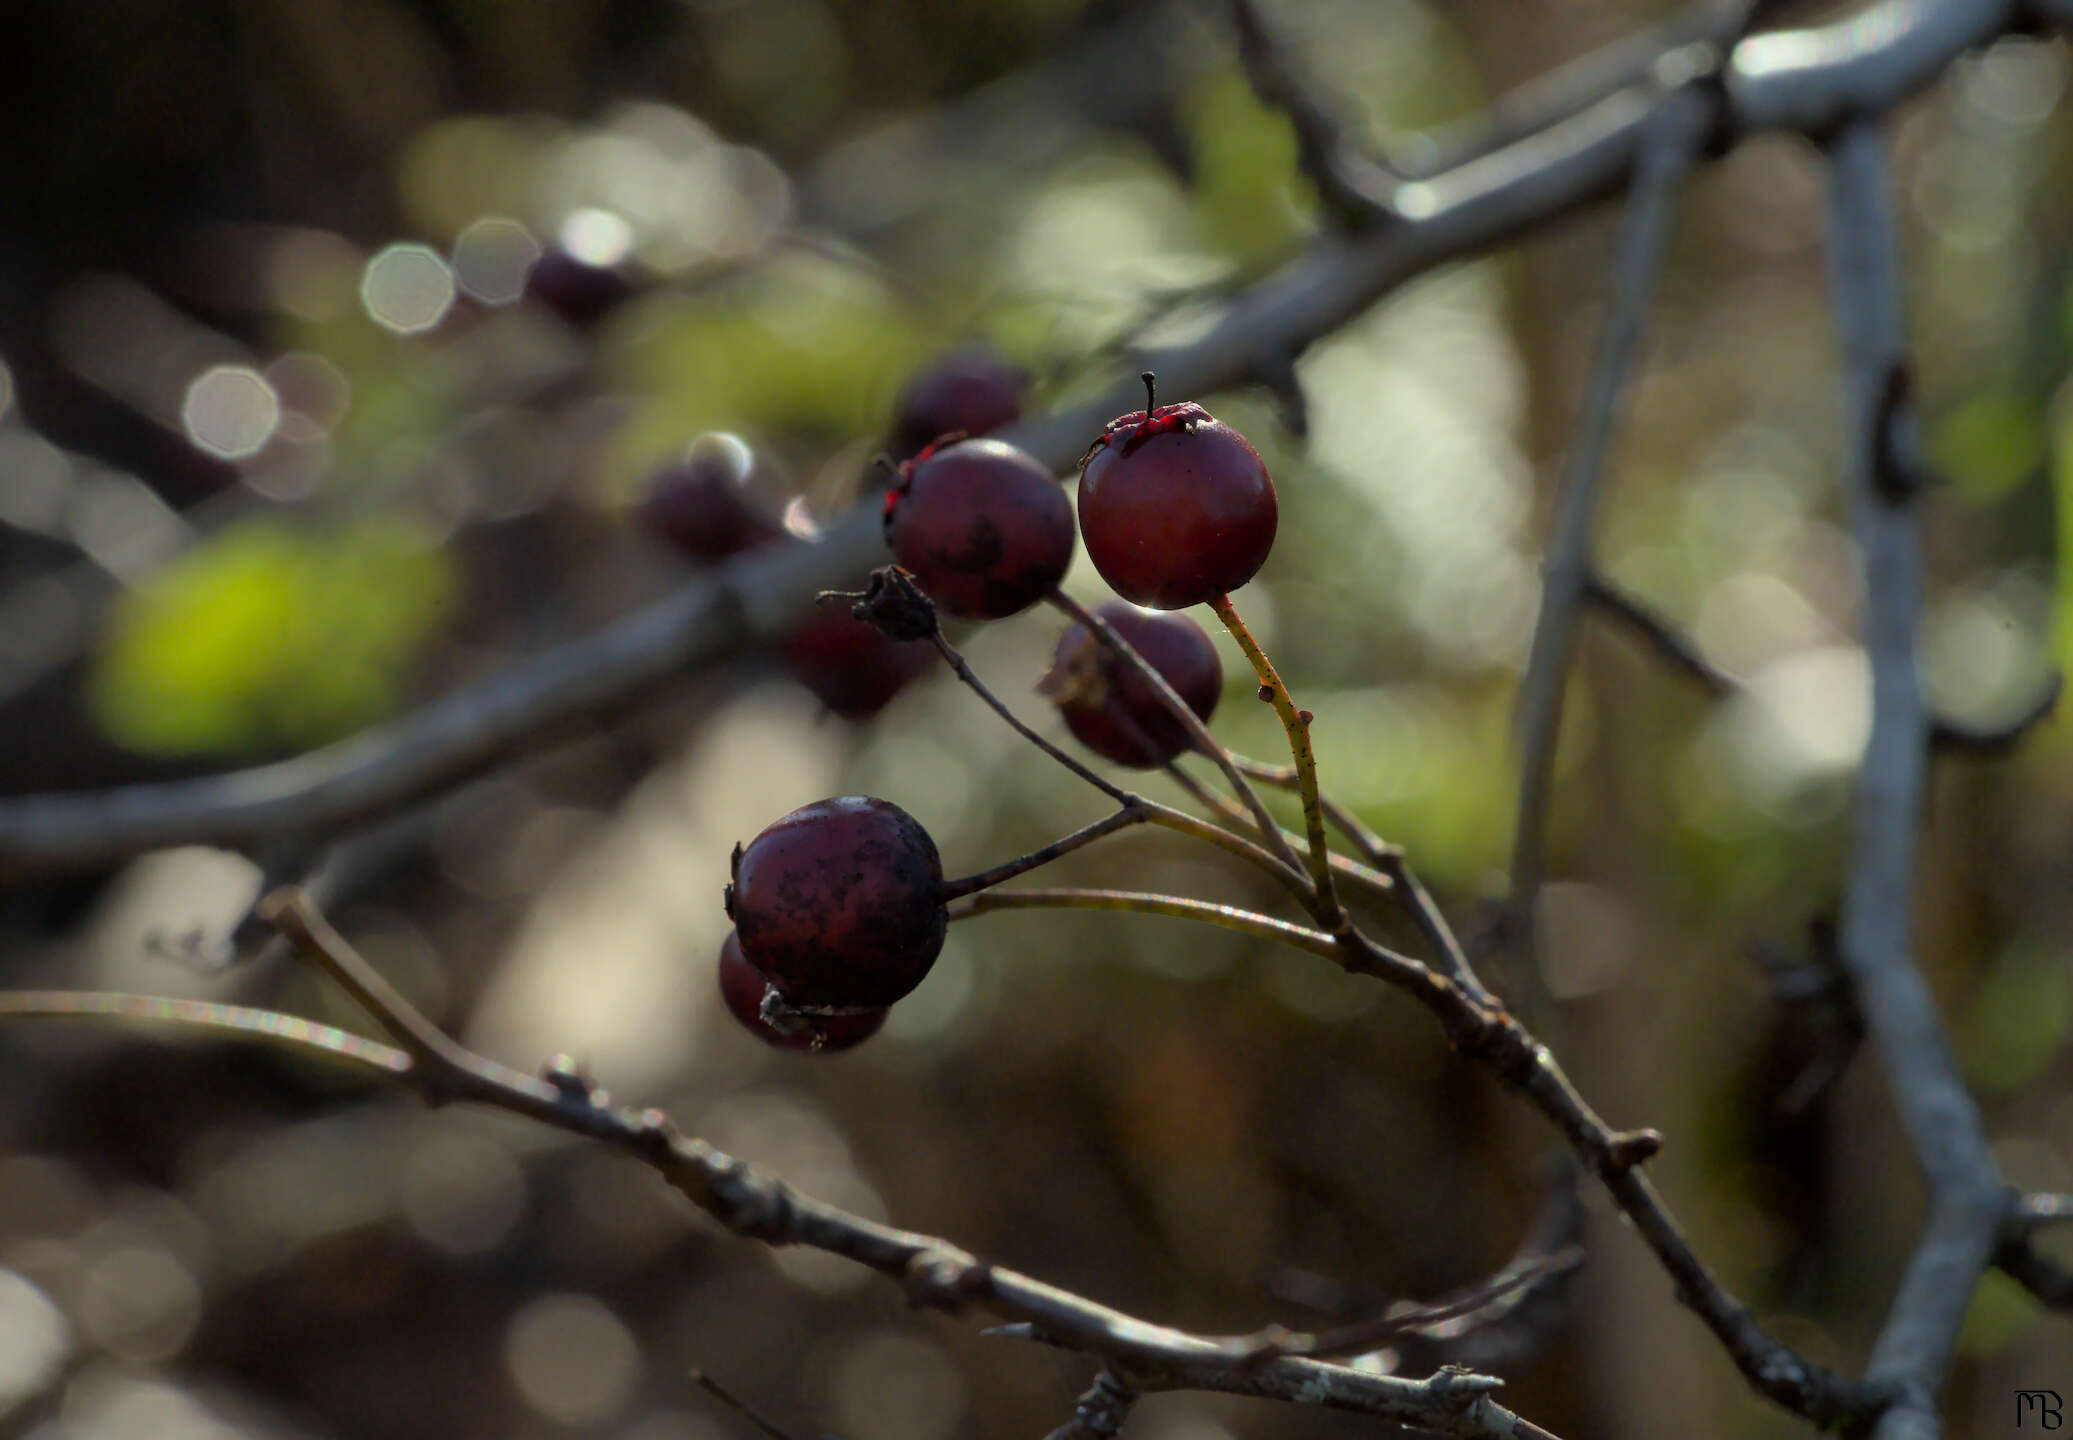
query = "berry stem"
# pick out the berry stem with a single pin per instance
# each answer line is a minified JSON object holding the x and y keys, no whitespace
{"x":1231,"y":813}
{"x":1282,"y":867}
{"x":1297,"y":724}
{"x":1228,"y":917}
{"x":999,"y":707}
{"x":1151,"y":392}
{"x":1373,"y":848}
{"x":1395,"y":871}
{"x":1044,"y":855}
{"x":1180,"y":710}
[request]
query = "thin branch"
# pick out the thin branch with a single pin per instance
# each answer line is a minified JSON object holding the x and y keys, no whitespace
{"x":1670,"y":644}
{"x":1228,"y":917}
{"x":1394,"y":868}
{"x":971,"y":680}
{"x":1372,"y":847}
{"x":1184,"y":715}
{"x":1352,"y":185}
{"x":288,"y":1032}
{"x":1681,"y":654}
{"x":1232,"y":813}
{"x":1101,"y":1412}
{"x":1966,"y":1202}
{"x":1045,"y":854}
{"x":2049,"y":1282}
{"x":738,"y":1405}
{"x":1296,"y":723}
{"x":1667,"y":153}
{"x":1163,"y":815}
{"x":1409,"y":1318}
{"x":932,"y":1272}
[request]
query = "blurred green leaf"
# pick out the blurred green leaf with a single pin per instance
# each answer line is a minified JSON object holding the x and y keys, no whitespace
{"x":1999,"y":1314}
{"x":803,"y":344}
{"x":2017,"y":1018}
{"x":269,"y":636}
{"x":1251,"y":202}
{"x":1988,"y":444}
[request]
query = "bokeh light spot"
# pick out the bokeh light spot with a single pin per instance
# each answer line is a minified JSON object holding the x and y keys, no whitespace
{"x":572,"y":1359}
{"x":491,"y":258}
{"x":230,"y":411}
{"x":407,"y":288}
{"x":597,"y":237}
{"x":34,"y":1340}
{"x":140,"y":1303}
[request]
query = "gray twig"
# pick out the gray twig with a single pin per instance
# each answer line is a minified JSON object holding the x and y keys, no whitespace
{"x":1353,"y":185}
{"x":1966,"y":1201}
{"x":1673,"y":140}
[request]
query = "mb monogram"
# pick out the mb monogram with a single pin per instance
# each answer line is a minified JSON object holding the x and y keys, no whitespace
{"x":2041,"y":1406}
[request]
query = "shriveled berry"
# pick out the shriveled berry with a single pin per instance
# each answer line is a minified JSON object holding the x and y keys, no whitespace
{"x":742,"y":988}
{"x":853,"y":669}
{"x":840,"y":903}
{"x":1176,"y":506}
{"x":703,"y":504}
{"x":970,"y":391}
{"x":1113,"y":710}
{"x":984,"y":528}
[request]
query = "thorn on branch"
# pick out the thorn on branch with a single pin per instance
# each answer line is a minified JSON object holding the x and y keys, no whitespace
{"x":1633,"y":1147}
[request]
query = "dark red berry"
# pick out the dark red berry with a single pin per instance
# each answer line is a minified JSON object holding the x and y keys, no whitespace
{"x":1176,"y":506}
{"x":840,"y":903}
{"x":742,"y":988}
{"x":1113,"y":710}
{"x":972,"y":390}
{"x":984,"y":528}
{"x":703,"y":504}
{"x":853,"y":669}
{"x":575,"y":289}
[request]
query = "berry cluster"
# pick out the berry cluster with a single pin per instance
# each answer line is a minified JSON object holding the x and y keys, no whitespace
{"x":715,"y":502}
{"x":840,"y":908}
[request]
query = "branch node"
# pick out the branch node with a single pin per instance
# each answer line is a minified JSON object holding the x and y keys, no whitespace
{"x":942,"y":1278}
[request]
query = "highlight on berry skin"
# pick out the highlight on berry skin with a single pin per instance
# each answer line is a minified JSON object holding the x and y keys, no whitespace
{"x":704,"y":503}
{"x":1176,"y":507}
{"x":839,"y":904}
{"x":1112,"y":709}
{"x":984,"y":527}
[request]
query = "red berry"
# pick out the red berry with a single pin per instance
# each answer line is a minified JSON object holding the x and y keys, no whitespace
{"x":742,"y":988}
{"x":840,"y":903}
{"x":1112,"y":709}
{"x":971,"y":390}
{"x":580,"y":292}
{"x":853,"y":668}
{"x":1176,"y":506}
{"x":984,"y":528}
{"x":702,"y":504}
